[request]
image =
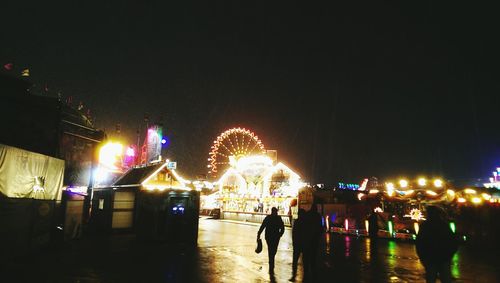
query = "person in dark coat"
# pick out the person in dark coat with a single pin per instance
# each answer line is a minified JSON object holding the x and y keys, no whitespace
{"x":298,"y":236}
{"x":275,"y":228}
{"x":314,"y":230}
{"x":436,"y":244}
{"x":373,"y":225}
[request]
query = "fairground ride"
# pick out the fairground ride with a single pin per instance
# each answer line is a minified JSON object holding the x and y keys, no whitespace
{"x":230,"y":146}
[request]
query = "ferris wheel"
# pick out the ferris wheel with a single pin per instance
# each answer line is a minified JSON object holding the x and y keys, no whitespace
{"x":233,"y":143}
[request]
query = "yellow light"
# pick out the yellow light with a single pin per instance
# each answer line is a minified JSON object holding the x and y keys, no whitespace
{"x":486,"y":196}
{"x":450,"y":192}
{"x":476,"y":200}
{"x":360,"y":196}
{"x":432,"y":193}
{"x":409,"y":192}
{"x":373,"y":191}
{"x":470,"y":191}
{"x":390,"y":189}
{"x":438,"y":183}
{"x":422,"y":182}
{"x":461,"y":200}
{"x":403,"y":183}
{"x":109,"y":155}
{"x":416,"y":227}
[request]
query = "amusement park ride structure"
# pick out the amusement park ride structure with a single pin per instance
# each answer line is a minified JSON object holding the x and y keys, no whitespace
{"x":249,"y":179}
{"x":231,"y":145}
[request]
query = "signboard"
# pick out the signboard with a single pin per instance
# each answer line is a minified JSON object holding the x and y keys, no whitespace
{"x":153,"y":145}
{"x":172,"y":165}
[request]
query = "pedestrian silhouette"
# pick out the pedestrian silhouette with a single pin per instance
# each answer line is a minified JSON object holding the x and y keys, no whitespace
{"x":299,"y":231}
{"x":274,"y":230}
{"x":314,"y":230}
{"x":436,"y":245}
{"x":373,"y":225}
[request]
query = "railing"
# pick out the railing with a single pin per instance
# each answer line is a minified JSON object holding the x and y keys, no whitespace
{"x":253,"y":217}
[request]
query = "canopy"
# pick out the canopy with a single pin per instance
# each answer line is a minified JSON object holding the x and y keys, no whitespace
{"x":25,"y":174}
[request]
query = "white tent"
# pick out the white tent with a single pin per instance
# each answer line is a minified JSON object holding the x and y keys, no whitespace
{"x":25,"y":174}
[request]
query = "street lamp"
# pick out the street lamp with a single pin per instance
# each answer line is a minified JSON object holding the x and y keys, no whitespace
{"x":438,"y":183}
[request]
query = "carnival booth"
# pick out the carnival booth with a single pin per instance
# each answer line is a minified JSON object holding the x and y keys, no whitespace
{"x":253,"y":185}
{"x":153,"y":201}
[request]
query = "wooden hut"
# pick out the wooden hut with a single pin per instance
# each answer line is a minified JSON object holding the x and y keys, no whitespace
{"x":152,"y":201}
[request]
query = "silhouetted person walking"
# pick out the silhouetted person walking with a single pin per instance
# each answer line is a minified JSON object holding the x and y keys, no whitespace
{"x":314,"y":229}
{"x":436,"y":245}
{"x":274,"y":230}
{"x":373,"y":226}
{"x":299,"y":231}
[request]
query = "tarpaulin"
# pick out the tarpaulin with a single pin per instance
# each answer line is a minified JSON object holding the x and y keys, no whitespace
{"x":26,"y":174}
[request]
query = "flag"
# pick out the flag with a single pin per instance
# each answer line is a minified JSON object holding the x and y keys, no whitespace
{"x":25,"y":73}
{"x":8,"y":66}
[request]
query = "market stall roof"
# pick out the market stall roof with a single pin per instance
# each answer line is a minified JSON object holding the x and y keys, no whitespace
{"x":135,"y":176}
{"x":155,"y":176}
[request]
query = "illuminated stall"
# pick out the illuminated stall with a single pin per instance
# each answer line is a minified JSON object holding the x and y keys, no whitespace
{"x":153,"y":201}
{"x":253,"y":185}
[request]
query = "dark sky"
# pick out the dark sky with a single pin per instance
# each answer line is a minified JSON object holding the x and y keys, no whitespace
{"x":387,"y":89}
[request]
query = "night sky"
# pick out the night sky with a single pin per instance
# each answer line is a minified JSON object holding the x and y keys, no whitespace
{"x":345,"y":91}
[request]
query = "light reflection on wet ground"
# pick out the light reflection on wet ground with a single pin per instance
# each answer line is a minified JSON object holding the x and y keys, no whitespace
{"x":225,"y":253}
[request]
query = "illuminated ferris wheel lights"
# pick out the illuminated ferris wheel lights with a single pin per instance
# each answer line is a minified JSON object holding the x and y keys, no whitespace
{"x":237,"y":142}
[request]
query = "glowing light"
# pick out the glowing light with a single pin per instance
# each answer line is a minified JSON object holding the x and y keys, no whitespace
{"x":438,"y":183}
{"x":373,"y":191}
{"x":461,"y":200}
{"x":327,"y":223}
{"x":453,"y":227}
{"x":163,"y":141}
{"x":390,"y":228}
{"x":486,"y":196}
{"x":378,"y":209}
{"x":409,"y":192}
{"x":346,"y":223}
{"x":415,"y":214}
{"x":236,"y":142}
{"x":390,"y":189}
{"x":476,"y":200}
{"x":403,"y":183}
{"x":250,"y":162}
{"x":130,"y":152}
{"x":109,"y":155}
{"x":360,"y":196}
{"x":367,"y":226}
{"x":363,"y":185}
{"x":422,"y":181}
{"x":470,"y":191}
{"x":416,"y":227}
{"x":431,"y":193}
{"x":451,"y":192}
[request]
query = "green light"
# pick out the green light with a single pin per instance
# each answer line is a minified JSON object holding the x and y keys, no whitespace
{"x":455,"y":270}
{"x":453,"y":227}
{"x":390,"y":228}
{"x":465,"y":238}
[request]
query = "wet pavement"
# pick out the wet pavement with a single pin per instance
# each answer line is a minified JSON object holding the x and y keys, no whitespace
{"x":225,"y":253}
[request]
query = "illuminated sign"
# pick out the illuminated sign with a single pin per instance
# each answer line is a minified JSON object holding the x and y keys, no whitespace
{"x":345,"y":186}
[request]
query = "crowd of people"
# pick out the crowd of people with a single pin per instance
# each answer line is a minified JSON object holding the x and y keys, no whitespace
{"x":435,"y":243}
